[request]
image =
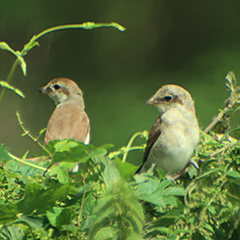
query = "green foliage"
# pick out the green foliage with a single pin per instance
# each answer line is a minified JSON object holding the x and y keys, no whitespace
{"x":4,"y":153}
{"x":104,"y":200}
{"x":92,"y":202}
{"x":118,"y":213}
{"x":43,"y":199}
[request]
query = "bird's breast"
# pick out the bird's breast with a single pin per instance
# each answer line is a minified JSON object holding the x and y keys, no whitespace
{"x":175,"y":145}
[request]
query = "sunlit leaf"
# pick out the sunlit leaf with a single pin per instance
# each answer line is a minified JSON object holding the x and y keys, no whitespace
{"x":70,"y":228}
{"x":38,"y":199}
{"x":65,"y":145}
{"x":17,"y":54}
{"x":4,"y":153}
{"x":231,"y":81}
{"x":8,"y":86}
{"x":118,"y":207}
{"x":72,"y":151}
{"x":59,"y":216}
{"x":11,"y":232}
{"x":4,"y":46}
{"x":22,"y":63}
{"x":61,"y":173}
{"x":156,"y":192}
{"x":42,"y":131}
{"x":32,"y":43}
{"x":8,"y":213}
{"x":174,"y":191}
{"x":106,"y":231}
{"x":233,"y":174}
{"x":110,"y":174}
{"x":33,"y":222}
{"x":126,"y":169}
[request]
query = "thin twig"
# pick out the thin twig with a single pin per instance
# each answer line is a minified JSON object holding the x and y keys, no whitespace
{"x":9,"y":78}
{"x":26,"y":162}
{"x":28,"y":134}
{"x":214,"y":122}
{"x":81,"y":207}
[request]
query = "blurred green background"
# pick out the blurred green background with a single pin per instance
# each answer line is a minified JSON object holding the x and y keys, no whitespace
{"x":190,"y":43}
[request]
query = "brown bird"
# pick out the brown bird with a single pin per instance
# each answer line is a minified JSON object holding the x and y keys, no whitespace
{"x":69,"y":120}
{"x":175,"y":133}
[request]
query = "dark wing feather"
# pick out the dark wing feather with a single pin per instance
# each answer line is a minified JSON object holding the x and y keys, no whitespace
{"x":153,"y":136}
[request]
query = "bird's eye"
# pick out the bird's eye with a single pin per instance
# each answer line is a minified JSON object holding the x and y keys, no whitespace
{"x":168,"y":98}
{"x":56,"y":86}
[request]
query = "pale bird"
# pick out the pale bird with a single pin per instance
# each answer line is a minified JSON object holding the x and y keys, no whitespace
{"x":175,"y":134}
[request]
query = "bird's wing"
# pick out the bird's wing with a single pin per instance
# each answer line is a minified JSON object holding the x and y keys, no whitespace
{"x":153,"y":136}
{"x":83,"y":131}
{"x":68,"y":121}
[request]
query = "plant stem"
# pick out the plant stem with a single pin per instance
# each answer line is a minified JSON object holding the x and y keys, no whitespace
{"x":25,"y":162}
{"x":130,"y":144}
{"x":9,"y":78}
{"x":81,"y":207}
{"x":86,"y":25}
{"x":28,"y":134}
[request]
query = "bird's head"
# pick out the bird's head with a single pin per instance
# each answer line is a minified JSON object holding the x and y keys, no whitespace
{"x":170,"y":96}
{"x":61,"y":90}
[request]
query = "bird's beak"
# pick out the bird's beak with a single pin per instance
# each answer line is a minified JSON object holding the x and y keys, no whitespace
{"x":40,"y":90}
{"x":152,"y":101}
{"x":46,"y":90}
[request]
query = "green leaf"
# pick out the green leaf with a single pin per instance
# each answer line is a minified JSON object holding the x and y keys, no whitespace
{"x":165,"y":221}
{"x":174,"y":191}
{"x":233,"y":174}
{"x":62,"y":173}
{"x":208,"y":227}
{"x":65,"y":145}
{"x":39,"y":199}
{"x":110,"y":174}
{"x":170,"y":200}
{"x":126,"y":169}
{"x":67,"y":165}
{"x":33,"y":222}
{"x":22,"y":63}
{"x":72,"y":151}
{"x":4,"y":153}
{"x":211,"y":209}
{"x":231,"y":81}
{"x":31,"y":44}
{"x":110,"y":232}
{"x":107,"y":146}
{"x":8,"y":86}
{"x":118,"y":207}
{"x":11,"y":232}
{"x":42,"y":131}
{"x":8,"y":213}
{"x":69,"y":228}
{"x":25,"y":155}
{"x":53,"y":214}
{"x":4,"y":46}
{"x":59,"y":216}
{"x":162,"y":229}
{"x":156,"y":192}
{"x":180,"y":231}
{"x":17,"y":54}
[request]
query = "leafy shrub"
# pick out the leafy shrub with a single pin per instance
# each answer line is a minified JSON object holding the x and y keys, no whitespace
{"x":42,"y":199}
